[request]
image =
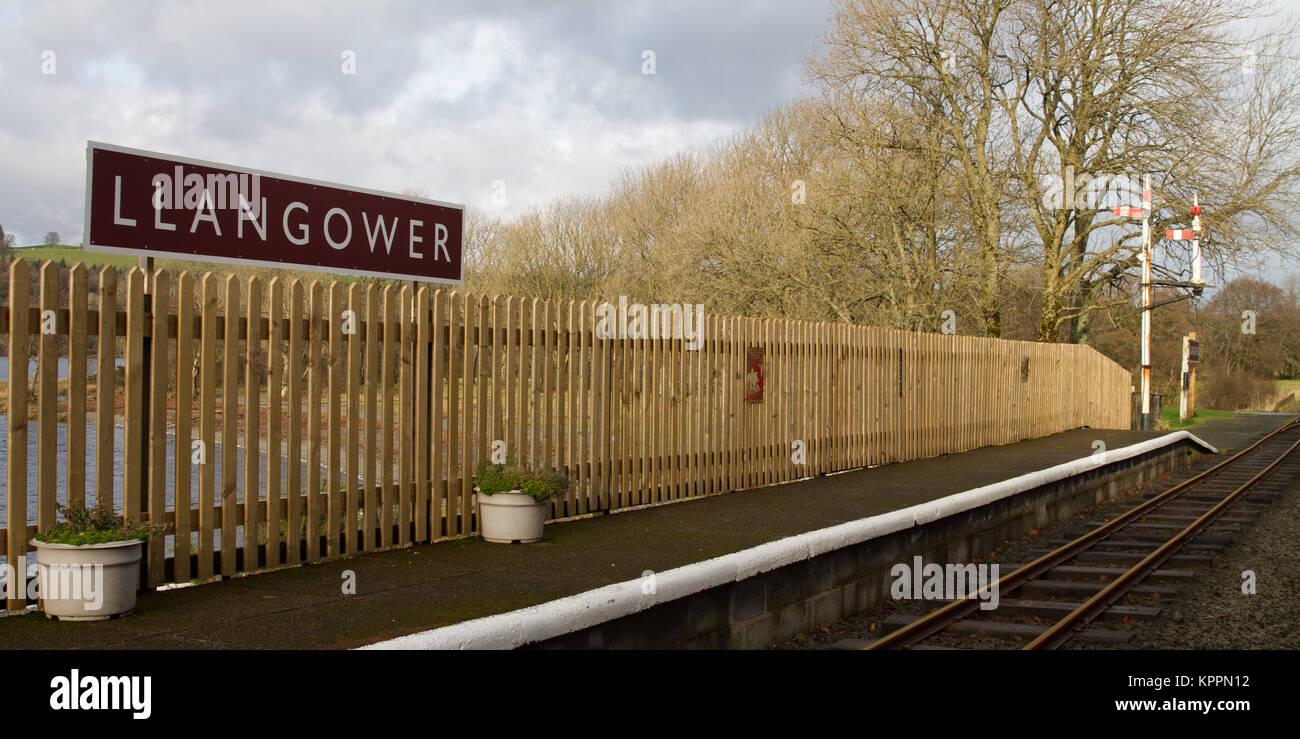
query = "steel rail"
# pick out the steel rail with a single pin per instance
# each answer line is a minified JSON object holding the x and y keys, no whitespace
{"x":940,"y":619}
{"x":1065,"y":629}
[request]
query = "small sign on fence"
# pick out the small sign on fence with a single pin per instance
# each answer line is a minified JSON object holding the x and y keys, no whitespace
{"x":158,"y":205}
{"x":754,"y":374}
{"x":1024,"y":370}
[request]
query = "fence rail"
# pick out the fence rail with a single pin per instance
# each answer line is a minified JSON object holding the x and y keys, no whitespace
{"x":370,"y":406}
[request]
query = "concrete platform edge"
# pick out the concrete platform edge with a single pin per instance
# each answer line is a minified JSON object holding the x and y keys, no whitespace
{"x":573,"y":613}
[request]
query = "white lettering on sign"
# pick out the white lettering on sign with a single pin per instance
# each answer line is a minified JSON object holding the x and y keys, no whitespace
{"x":380,"y":226}
{"x":117,"y":205}
{"x":210,"y":218}
{"x":226,"y":216}
{"x":306,"y":233}
{"x":346,"y":239}
{"x":415,"y":239}
{"x":246,"y":214}
{"x":298,"y":231}
{"x":440,"y":241}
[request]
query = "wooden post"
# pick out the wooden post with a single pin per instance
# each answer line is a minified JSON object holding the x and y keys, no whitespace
{"x":16,"y":474}
{"x":146,"y":265}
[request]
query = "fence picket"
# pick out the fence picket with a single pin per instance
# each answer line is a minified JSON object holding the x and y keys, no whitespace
{"x":78,"y":305}
{"x":370,"y":433}
{"x":16,"y":477}
{"x":298,"y":333}
{"x":208,"y":426}
{"x":421,"y":409}
{"x":352,"y":463}
{"x":316,"y":367}
{"x":158,"y":374}
{"x":252,"y":422}
{"x":406,"y":419}
{"x":334,"y":467}
{"x":438,"y":512}
{"x":184,"y":422}
{"x":274,"y":416}
{"x":387,"y":376}
{"x":105,"y":392}
{"x":229,"y":422}
{"x":47,"y":398}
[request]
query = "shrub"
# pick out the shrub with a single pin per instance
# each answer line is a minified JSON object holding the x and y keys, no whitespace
{"x":98,"y":525}
{"x":492,"y":478}
{"x":1232,"y":389}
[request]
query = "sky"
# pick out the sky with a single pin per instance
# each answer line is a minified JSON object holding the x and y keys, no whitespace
{"x":496,"y":105}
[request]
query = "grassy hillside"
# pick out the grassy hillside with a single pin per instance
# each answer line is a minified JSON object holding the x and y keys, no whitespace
{"x":71,"y":255}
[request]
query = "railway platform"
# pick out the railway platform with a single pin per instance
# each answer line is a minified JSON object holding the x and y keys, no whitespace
{"x":403,"y":594}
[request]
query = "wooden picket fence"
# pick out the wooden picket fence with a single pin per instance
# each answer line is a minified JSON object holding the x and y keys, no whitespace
{"x":371,"y":406}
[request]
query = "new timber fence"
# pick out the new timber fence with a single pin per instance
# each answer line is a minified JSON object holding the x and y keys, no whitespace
{"x":274,"y":422}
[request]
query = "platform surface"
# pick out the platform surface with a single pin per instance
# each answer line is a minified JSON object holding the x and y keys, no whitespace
{"x":409,"y":590}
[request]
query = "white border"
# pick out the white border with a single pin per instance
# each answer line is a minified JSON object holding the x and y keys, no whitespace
{"x":576,"y":612}
{"x":88,"y":245}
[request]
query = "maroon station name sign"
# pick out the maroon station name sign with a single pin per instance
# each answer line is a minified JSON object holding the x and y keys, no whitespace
{"x":158,"y":205}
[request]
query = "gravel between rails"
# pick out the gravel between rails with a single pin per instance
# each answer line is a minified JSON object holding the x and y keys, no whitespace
{"x":1211,"y":612}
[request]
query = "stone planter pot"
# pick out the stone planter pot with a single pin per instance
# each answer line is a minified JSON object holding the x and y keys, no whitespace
{"x":90,"y":582}
{"x":510,"y":517}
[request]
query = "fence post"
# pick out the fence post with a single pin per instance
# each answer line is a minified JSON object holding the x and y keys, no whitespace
{"x":146,"y":265}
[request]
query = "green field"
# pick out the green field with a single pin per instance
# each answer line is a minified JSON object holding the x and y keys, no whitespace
{"x":70,"y":255}
{"x":1169,"y":417}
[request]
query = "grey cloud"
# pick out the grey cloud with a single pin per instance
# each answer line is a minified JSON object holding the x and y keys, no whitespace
{"x":259,"y":84}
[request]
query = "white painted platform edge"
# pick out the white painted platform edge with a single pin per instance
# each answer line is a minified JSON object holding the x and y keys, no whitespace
{"x":576,"y":612}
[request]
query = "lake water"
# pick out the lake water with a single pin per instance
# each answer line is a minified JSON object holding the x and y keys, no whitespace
{"x":92,"y":367}
{"x":119,"y":445}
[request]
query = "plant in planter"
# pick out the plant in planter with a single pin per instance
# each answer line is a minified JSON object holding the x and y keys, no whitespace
{"x":88,"y":565}
{"x":512,"y":501}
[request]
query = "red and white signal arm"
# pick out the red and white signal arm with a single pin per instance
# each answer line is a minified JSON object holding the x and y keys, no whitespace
{"x":1184,"y":234}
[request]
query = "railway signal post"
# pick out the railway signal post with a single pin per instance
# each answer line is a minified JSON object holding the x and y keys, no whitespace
{"x":1146,"y":303}
{"x":1196,"y":285}
{"x":1187,"y":394}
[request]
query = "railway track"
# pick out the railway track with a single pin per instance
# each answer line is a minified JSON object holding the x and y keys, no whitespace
{"x":1117,"y":568}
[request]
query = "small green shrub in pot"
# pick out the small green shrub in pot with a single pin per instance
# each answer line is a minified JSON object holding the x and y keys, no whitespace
{"x":88,"y":564}
{"x":511,"y":500}
{"x":98,"y":525}
{"x":492,"y":478}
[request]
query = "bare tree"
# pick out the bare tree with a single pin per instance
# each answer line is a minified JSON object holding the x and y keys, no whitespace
{"x":938,"y":65}
{"x":51,"y":238}
{"x":1014,"y":103}
{"x":1108,"y":91}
